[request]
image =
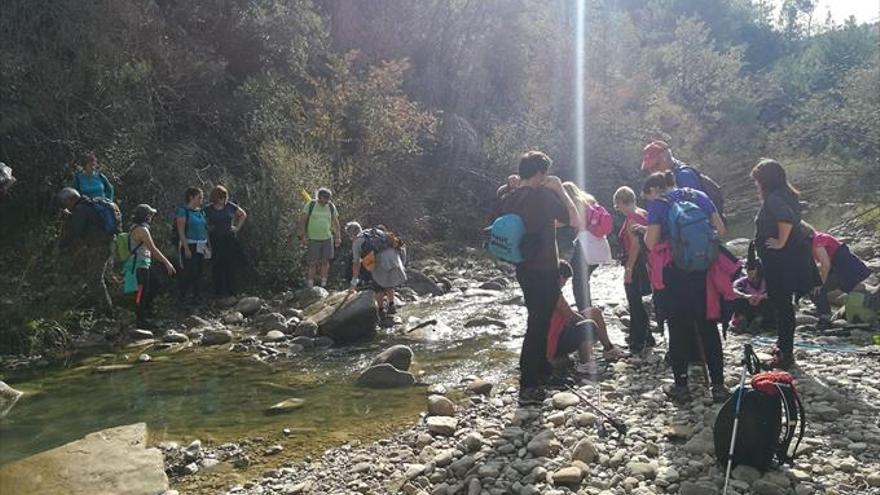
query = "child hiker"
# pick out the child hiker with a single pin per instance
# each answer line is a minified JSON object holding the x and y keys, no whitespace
{"x":751,"y":311}
{"x":571,"y":331}
{"x":635,"y":279}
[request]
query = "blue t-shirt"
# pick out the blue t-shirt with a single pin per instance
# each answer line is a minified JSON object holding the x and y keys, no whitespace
{"x":686,"y":176}
{"x":196,"y":223}
{"x":93,"y":186}
{"x":658,"y":210}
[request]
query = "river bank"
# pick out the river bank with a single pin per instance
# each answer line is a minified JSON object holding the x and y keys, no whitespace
{"x":205,"y":402}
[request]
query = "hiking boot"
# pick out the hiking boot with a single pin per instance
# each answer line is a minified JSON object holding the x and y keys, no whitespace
{"x":719,"y":393}
{"x":531,"y":396}
{"x":677,"y":393}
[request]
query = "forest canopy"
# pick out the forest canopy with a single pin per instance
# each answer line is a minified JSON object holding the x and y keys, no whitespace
{"x":413,"y":111}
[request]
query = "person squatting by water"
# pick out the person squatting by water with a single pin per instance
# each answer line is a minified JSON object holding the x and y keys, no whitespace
{"x":193,"y":244}
{"x":138,"y":269}
{"x":541,"y":202}
{"x":684,"y":291}
{"x":571,"y":331}
{"x":785,"y":252}
{"x":225,"y":220}
{"x":319,"y":231}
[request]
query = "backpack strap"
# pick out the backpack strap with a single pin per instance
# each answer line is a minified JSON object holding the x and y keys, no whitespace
{"x":76,"y":182}
{"x":312,"y":204}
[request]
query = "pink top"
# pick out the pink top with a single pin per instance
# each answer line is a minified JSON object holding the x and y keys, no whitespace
{"x":827,"y":241}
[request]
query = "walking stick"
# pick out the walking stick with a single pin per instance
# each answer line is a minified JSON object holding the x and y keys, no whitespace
{"x":618,"y":425}
{"x":747,"y":351}
{"x":702,"y":351}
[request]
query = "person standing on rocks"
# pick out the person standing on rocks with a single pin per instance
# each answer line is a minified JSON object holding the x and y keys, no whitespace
{"x":387,"y":266}
{"x":785,"y":252}
{"x":191,"y":227}
{"x":225,"y":219}
{"x":142,"y":250}
{"x":541,"y":202}
{"x":586,"y":245}
{"x":635,"y":276}
{"x":319,"y":232}
{"x":684,"y":293}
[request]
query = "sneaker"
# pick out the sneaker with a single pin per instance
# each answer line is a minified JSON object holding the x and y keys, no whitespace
{"x":614,"y":354}
{"x":678,"y":393}
{"x":719,"y":393}
{"x":531,"y":396}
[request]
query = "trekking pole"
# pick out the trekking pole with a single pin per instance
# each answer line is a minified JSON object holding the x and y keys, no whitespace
{"x":747,"y":352}
{"x":702,"y":351}
{"x":616,"y":423}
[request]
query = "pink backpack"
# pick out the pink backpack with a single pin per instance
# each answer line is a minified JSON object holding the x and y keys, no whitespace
{"x":599,"y":221}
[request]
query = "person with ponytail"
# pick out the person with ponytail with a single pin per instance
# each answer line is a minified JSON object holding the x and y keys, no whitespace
{"x":785,"y":253}
{"x":683,"y":298}
{"x":142,"y":250}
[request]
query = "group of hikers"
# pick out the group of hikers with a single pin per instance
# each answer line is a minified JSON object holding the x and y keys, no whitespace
{"x":671,"y":249}
{"x":208,"y":232}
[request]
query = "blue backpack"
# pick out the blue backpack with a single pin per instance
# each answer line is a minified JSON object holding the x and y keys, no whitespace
{"x":693,"y":239}
{"x":111,"y":217}
{"x":505,"y":235}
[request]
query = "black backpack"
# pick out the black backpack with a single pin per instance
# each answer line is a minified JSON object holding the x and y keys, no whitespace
{"x":375,"y":241}
{"x":710,"y":187}
{"x":771,"y":415}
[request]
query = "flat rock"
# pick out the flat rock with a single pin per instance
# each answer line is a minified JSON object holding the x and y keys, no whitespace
{"x":216,"y":337}
{"x":249,"y":305}
{"x":112,"y":368}
{"x":544,"y":444}
{"x":8,"y":397}
{"x":442,"y":425}
{"x":646,"y":469}
{"x":485,"y":321}
{"x":385,"y":376}
{"x":232,"y":318}
{"x":286,"y":406}
{"x":399,"y":356}
{"x":174,"y":337}
{"x":115,"y":461}
{"x":562,"y":400}
{"x":440,"y":406}
{"x":304,"y":298}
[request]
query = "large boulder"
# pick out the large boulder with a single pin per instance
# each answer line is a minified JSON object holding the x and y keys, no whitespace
{"x":399,"y":356}
{"x":115,"y":460}
{"x":423,"y":285}
{"x":345,"y":316}
{"x":8,"y":397}
{"x":249,"y":305}
{"x":304,"y":298}
{"x":385,"y":376}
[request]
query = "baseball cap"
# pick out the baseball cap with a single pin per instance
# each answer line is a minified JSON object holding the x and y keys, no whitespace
{"x":651,"y":152}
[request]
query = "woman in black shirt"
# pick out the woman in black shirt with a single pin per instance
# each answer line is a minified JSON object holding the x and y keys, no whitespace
{"x":785,"y":253}
{"x":225,"y":219}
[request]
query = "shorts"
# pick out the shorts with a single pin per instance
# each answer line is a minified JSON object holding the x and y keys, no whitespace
{"x":320,"y":250}
{"x":573,"y":335}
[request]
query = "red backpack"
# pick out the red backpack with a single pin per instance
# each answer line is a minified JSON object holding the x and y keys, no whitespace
{"x":599,"y":221}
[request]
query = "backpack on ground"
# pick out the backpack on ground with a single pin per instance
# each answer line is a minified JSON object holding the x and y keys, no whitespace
{"x":599,"y":222}
{"x":108,"y":212}
{"x":771,"y":416}
{"x":693,"y":239}
{"x":708,"y":186}
{"x":505,"y":236}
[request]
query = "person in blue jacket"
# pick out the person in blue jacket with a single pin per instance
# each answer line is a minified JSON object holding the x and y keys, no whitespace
{"x":91,"y":183}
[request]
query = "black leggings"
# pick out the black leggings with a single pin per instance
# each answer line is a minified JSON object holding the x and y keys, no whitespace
{"x":638,"y":323}
{"x":688,"y":326}
{"x":191,"y":272}
{"x":224,"y":261}
{"x":147,"y":288}
{"x":541,"y":291}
